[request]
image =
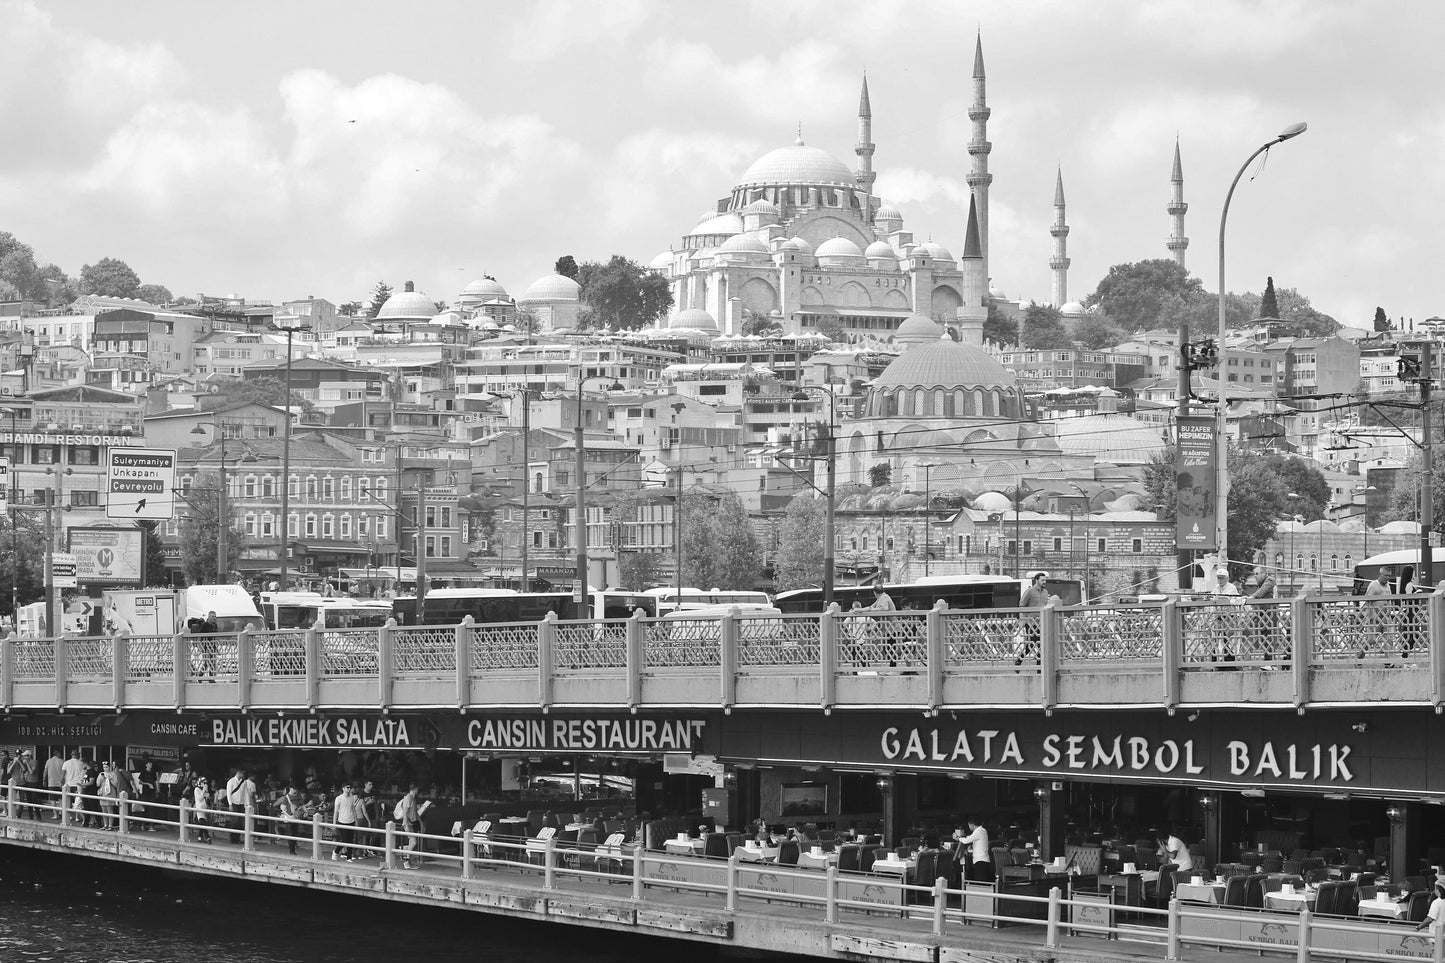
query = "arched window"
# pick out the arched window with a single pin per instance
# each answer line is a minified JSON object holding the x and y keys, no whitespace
{"x":346,"y":526}
{"x":328,"y":488}
{"x":346,"y":488}
{"x":251,"y":523}
{"x":311,"y":487}
{"x":268,"y":487}
{"x":918,"y":396}
{"x":1334,"y":563}
{"x":537,"y":482}
{"x":310,"y":525}
{"x":328,"y":522}
{"x":293,"y":485}
{"x":1349,"y":563}
{"x":1314,"y":562}
{"x":1279,"y":559}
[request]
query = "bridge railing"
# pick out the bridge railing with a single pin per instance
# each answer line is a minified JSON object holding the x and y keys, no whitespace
{"x":926,"y":658}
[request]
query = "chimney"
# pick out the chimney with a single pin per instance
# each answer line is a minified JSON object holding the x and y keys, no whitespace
{"x":409,"y":287}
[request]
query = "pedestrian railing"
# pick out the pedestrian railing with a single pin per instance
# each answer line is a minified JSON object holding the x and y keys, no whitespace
{"x":709,"y":660}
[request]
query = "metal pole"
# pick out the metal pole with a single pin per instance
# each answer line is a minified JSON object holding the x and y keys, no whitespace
{"x":526,"y":481}
{"x":927,"y":535}
{"x":829,"y":523}
{"x":221,"y":526}
{"x":284,"y":550}
{"x":1425,"y":576}
{"x":12,"y":494}
{"x":420,"y":549}
{"x":580,"y":468}
{"x":400,"y":517}
{"x":677,"y":539}
{"x":1184,"y":559}
{"x":1018,"y":543}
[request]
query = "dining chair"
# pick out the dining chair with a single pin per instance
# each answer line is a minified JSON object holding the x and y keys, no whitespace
{"x":1165,"y":891}
{"x":1234,"y":890}
{"x":788,"y":852}
{"x":924,"y":874}
{"x":1417,"y":905}
{"x":867,"y":857}
{"x":947,"y":868}
{"x":1001,"y":857}
{"x":734,"y":840}
{"x":849,"y":858}
{"x":716,"y":844}
{"x":1254,"y":890}
{"x":1271,"y":864}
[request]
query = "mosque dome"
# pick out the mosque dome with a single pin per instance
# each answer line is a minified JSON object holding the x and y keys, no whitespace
{"x":719,"y":224}
{"x":762,"y":206}
{"x":1072,"y":309}
{"x":696,"y":319}
{"x":706,"y":216}
{"x":484,"y":288}
{"x":838,"y":247}
{"x":742,"y":244}
{"x":798,"y":164}
{"x":997,"y":294}
{"x":916,"y":330}
{"x":801,"y":246}
{"x":879,"y":249}
{"x":407,"y":304}
{"x":937,"y":251}
{"x":992,"y":502}
{"x":553,"y":287}
{"x":888,"y":213}
{"x":663,"y":262}
{"x":944,"y":363}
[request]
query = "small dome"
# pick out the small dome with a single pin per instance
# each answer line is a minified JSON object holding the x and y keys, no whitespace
{"x":917,"y":330}
{"x":407,"y":304}
{"x":937,"y":251}
{"x":879,"y":249}
{"x":838,"y":247}
{"x":992,"y":502}
{"x":719,"y":224}
{"x":553,"y":287}
{"x":663,"y":262}
{"x":742,"y":244}
{"x":696,"y":319}
{"x":944,"y":363}
{"x":997,"y":294}
{"x":798,"y":164}
{"x":1072,"y":309}
{"x":705,"y":216}
{"x":888,"y":213}
{"x":801,"y":246}
{"x":485,"y":288}
{"x":761,"y":206}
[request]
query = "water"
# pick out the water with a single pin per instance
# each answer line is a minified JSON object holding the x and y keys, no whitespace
{"x":71,"y":909}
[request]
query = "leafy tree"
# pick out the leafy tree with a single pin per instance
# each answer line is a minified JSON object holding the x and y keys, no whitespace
{"x":18,"y":268}
{"x":349,"y":309}
{"x":153,"y":553}
{"x":621,"y":294}
{"x":200,"y":533}
{"x":719,"y":547}
{"x":8,"y":291}
{"x":1097,"y":332}
{"x":1300,"y":318}
{"x":1382,"y":323}
{"x":1043,"y":327}
{"x":526,"y":321}
{"x":261,"y":391}
{"x":154,"y":293}
{"x":25,"y":571}
{"x":880,"y":474}
{"x":760,"y":325}
{"x":1404,"y":499}
{"x":1000,"y":328}
{"x":799,"y":559}
{"x":831,"y":328}
{"x":566,"y":266}
{"x":1146,"y":293}
{"x":1269,"y":304}
{"x":638,"y":570}
{"x":59,"y":287}
{"x":379,"y":294}
{"x":1303,"y":479}
{"x":109,"y":277}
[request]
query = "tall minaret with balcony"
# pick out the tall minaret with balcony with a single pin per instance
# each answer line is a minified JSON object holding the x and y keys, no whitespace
{"x":1059,"y":263}
{"x":864,"y":150}
{"x":978,"y":148}
{"x":1177,"y":242}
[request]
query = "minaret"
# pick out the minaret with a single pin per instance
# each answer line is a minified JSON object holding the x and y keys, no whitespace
{"x":1059,"y":263}
{"x":864,"y":150}
{"x":978,"y":176}
{"x":1177,"y":242}
{"x":973,"y":312}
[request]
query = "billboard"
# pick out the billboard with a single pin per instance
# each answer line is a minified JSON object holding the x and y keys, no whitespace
{"x":107,"y":556}
{"x":1195,"y":461}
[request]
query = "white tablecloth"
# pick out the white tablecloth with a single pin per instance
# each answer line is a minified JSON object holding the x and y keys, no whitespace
{"x":1289,"y":901}
{"x":761,"y":855}
{"x":684,"y":848}
{"x":1388,"y":909}
{"x":1203,"y":893}
{"x":894,"y":865}
{"x":821,"y":861}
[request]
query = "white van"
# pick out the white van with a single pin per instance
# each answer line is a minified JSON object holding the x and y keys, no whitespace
{"x":233,"y":605}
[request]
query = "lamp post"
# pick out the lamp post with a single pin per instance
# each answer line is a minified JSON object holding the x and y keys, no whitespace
{"x":11,"y":495}
{"x":580,"y":467}
{"x":290,"y":325}
{"x":54,"y":534}
{"x":1321,"y":569}
{"x":830,"y":453}
{"x":1221,"y":468}
{"x":1018,"y":493}
{"x":1087,"y":509}
{"x":927,"y":467}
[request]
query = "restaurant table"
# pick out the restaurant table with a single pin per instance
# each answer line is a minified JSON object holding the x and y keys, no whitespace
{"x":899,"y":866}
{"x":818,"y":861}
{"x":685,"y":847}
{"x":576,"y":827}
{"x":757,"y":854}
{"x":1201,"y":893}
{"x":1387,"y":908}
{"x":1292,"y":902}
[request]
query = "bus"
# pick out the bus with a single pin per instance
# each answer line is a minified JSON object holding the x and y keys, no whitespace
{"x":1368,"y":570}
{"x":671,"y":599}
{"x":958,"y":591}
{"x":450,"y":606}
{"x":302,"y":610}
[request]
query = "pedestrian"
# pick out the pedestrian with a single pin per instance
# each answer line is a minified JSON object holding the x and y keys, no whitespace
{"x":979,"y":868}
{"x":54,"y":782}
{"x":108,"y":789}
{"x":74,"y":779}
{"x":292,"y":817}
{"x":243,"y":800}
{"x":1435,"y":916}
{"x":15,"y":781}
{"x":407,"y":815}
{"x":1035,"y":596}
{"x":347,"y":812}
{"x":201,"y":814}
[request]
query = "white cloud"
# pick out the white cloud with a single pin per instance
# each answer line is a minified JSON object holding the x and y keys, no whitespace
{"x":658,"y":179}
{"x":552,"y":27}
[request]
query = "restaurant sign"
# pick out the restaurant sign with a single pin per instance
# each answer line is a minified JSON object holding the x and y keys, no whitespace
{"x":586,"y":734}
{"x":322,"y":732}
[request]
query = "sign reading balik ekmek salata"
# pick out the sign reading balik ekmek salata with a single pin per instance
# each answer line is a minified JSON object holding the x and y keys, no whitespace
{"x":497,"y":733}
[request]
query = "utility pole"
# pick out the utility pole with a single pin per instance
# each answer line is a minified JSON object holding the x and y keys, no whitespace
{"x":1185,"y":560}
{"x":677,"y":536}
{"x":1426,"y":576}
{"x":222,"y":548}
{"x":526,"y":479}
{"x":420,"y":550}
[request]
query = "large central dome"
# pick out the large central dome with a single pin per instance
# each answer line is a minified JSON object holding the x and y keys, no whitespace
{"x":798,"y":164}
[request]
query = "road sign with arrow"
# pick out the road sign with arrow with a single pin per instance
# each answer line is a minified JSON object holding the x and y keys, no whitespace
{"x":139,"y":483}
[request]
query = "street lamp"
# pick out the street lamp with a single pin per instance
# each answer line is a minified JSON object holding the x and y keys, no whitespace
{"x":830,"y":453}
{"x":1295,"y":520}
{"x":223,"y":522}
{"x":1221,"y":469}
{"x":290,"y":324}
{"x":1328,"y":505}
{"x":580,"y":467}
{"x":927,"y":503}
{"x":1018,"y":492}
{"x":54,"y":534}
{"x":1087,"y":508}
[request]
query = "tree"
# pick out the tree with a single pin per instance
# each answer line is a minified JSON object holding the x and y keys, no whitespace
{"x":153,"y":553}
{"x":799,"y":559}
{"x":200,"y":533}
{"x":719,"y":547}
{"x":880,"y":474}
{"x":638,"y":570}
{"x":109,"y":277}
{"x":1000,"y":328}
{"x":526,"y":321}
{"x":831,"y":328}
{"x":261,"y":391}
{"x":1300,"y":318}
{"x":760,"y":325}
{"x":1043,"y":327}
{"x":621,"y":294}
{"x":1404,"y":503}
{"x":1382,"y":323}
{"x":26,"y":569}
{"x":1301,"y":478}
{"x":1097,"y":332}
{"x":349,"y":309}
{"x":1269,"y":304}
{"x":154,"y":293}
{"x":1146,"y":293}
{"x":18,"y":268}
{"x":379,"y":294}
{"x":566,"y":266}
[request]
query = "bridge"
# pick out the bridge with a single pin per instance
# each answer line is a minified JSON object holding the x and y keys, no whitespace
{"x":1325,"y":651}
{"x":824,"y":912}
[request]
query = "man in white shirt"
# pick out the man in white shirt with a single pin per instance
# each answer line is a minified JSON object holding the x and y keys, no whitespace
{"x":1173,"y":848}
{"x":74,"y":778}
{"x":980,"y":864}
{"x":348,"y":811}
{"x":235,"y":799}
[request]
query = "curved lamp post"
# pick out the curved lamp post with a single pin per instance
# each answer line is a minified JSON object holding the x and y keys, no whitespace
{"x":1221,"y":470}
{"x":580,"y":467}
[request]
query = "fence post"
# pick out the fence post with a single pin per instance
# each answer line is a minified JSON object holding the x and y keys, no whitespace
{"x":385,"y":636}
{"x":828,"y":658}
{"x":732,"y":897}
{"x":728,"y":658}
{"x":1171,"y":619}
{"x":248,"y":829}
{"x":636,"y":632}
{"x":183,"y":819}
{"x":464,"y":662}
{"x":1301,"y":649}
{"x":637,"y":873}
{"x":546,"y":657}
{"x":940,"y":903}
{"x":830,"y":894}
{"x":468,"y":853}
{"x":7,"y":670}
{"x":123,"y":814}
{"x":245,"y":671}
{"x":1435,"y":619}
{"x":65,"y":804}
{"x":11,"y":805}
{"x":60,"y":646}
{"x":933,"y":636}
{"x":313,"y":666}
{"x":180,"y":667}
{"x":1305,"y":934}
{"x":388,"y":858}
{"x":119,"y":650}
{"x":316,"y":836}
{"x":549,"y":873}
{"x":1172,"y":952}
{"x":1051,"y":936}
{"x":1049,"y":621}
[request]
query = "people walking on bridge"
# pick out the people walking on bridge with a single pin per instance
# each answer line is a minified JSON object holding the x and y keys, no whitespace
{"x":74,"y":779}
{"x":407,"y":815}
{"x":291,"y":813}
{"x":54,"y":780}
{"x":348,"y":813}
{"x":1036,"y":596}
{"x":201,"y":813}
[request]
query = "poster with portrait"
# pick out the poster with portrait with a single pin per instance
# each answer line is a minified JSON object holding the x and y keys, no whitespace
{"x":1195,"y":462}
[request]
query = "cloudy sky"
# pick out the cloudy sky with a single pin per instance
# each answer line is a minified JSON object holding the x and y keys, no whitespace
{"x":280,"y":149}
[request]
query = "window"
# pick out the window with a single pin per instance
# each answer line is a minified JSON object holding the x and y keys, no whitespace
{"x":268,"y":487}
{"x":380,"y":526}
{"x":268,"y":525}
{"x":536,"y":539}
{"x":291,"y":526}
{"x":84,"y":499}
{"x":381,"y":489}
{"x":251,"y":523}
{"x":363,"y":524}
{"x":311,"y":487}
{"x":345,"y":530}
{"x":1103,"y":545}
{"x":328,"y":488}
{"x":310,"y":526}
{"x":431,"y":516}
{"x":346,"y":488}
{"x":84,"y":455}
{"x":446,"y":517}
{"x":1028,"y":546}
{"x":293,"y":486}
{"x":328,"y":525}
{"x":248,"y":486}
{"x":1058,"y":544}
{"x":431,"y":546}
{"x":446,"y":545}
{"x":1136,"y":545}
